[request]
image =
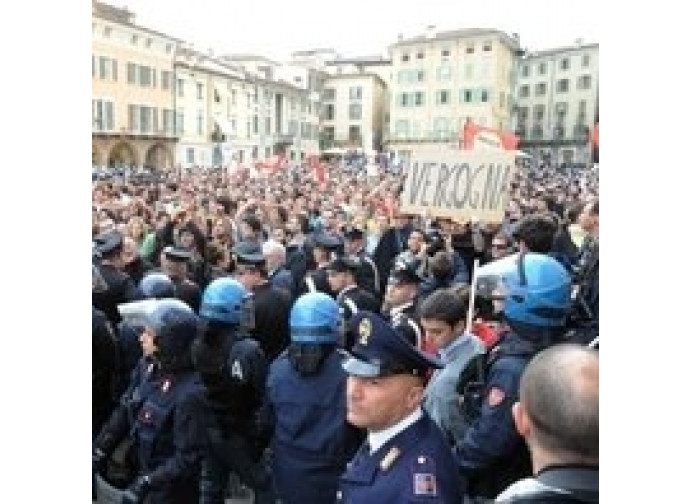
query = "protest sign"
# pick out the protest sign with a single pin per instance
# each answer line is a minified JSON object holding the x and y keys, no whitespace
{"x":459,"y":184}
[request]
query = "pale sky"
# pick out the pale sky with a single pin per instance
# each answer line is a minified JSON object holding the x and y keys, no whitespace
{"x":358,"y":27}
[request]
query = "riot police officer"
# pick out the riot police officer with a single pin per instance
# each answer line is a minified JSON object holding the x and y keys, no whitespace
{"x":305,"y":406}
{"x":406,"y":457}
{"x":491,"y":454}
{"x":233,"y":369}
{"x":162,"y":407}
{"x":351,"y":298}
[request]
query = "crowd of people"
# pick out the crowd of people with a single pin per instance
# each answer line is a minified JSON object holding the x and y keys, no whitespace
{"x":302,"y":335}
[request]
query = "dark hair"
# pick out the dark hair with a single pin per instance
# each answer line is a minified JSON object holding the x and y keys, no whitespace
{"x":537,"y":231}
{"x":445,"y":305}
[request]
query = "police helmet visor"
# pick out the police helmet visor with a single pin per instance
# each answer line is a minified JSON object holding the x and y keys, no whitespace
{"x":490,"y":276}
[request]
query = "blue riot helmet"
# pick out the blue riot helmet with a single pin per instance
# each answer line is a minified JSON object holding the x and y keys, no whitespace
{"x":226,"y":301}
{"x":315,"y":318}
{"x":537,"y":292}
{"x":157,"y":285}
{"x":173,"y":324}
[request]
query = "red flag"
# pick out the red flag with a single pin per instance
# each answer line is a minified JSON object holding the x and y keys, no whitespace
{"x":594,"y":135}
{"x":472,"y":133}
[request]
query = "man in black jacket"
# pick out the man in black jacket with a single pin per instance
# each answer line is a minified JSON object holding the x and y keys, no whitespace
{"x":558,"y":415}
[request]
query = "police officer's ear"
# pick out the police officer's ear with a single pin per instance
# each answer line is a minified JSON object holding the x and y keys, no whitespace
{"x":522,"y":422}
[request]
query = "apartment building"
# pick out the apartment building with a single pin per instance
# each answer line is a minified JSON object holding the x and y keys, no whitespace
{"x":132,"y":92}
{"x":443,"y":78}
{"x":558,"y":103}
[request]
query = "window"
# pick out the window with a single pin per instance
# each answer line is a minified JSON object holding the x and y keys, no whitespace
{"x":582,"y":112}
{"x":561,"y":109}
{"x":404,"y":100}
{"x":268,"y":126}
{"x":467,"y":95}
{"x":584,"y":82}
{"x":144,"y":76}
{"x":145,"y":119}
{"x":354,"y":133}
{"x":444,"y":73}
{"x":542,"y":68}
{"x":190,"y":154}
{"x":468,"y":71}
{"x":525,"y":71}
{"x":102,"y":115}
{"x":167,"y":121}
{"x":402,"y":128}
{"x":502,"y":100}
{"x":329,"y":112}
{"x":180,"y":88}
{"x":179,"y":122}
{"x":168,"y":48}
{"x":233,"y":96}
{"x":537,"y":131}
{"x":165,"y":80}
{"x":419,"y":75}
{"x":149,"y":42}
{"x":216,"y":96}
{"x":420,"y":55}
{"x":419,"y":98}
{"x":199,"y":91}
{"x":469,"y":49}
{"x":131,"y":73}
{"x":355,"y":111}
{"x":523,"y":113}
{"x":585,"y":60}
{"x":562,"y":86}
{"x":104,"y":68}
{"x":107,"y":31}
{"x":486,"y":46}
{"x":485,"y":95}
{"x":135,"y":38}
{"x":445,"y":53}
{"x":329,"y":94}
{"x":255,"y":124}
{"x":93,"y":66}
{"x":200,"y":122}
{"x":442,"y":97}
{"x":564,"y":64}
{"x":540,"y":89}
{"x":539,"y":112}
{"x":405,"y":57}
{"x":133,"y":118}
{"x":356,"y":93}
{"x":114,"y":69}
{"x":441,"y":127}
{"x":524,"y":91}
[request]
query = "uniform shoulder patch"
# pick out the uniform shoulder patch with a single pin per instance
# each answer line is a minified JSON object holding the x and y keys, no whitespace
{"x":425,"y":484}
{"x":390,"y":458}
{"x":495,"y":396}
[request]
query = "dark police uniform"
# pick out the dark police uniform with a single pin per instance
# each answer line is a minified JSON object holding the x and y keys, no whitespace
{"x":104,"y":373}
{"x":416,"y":464}
{"x":271,"y":305}
{"x":185,"y":290}
{"x":352,"y":298}
{"x":316,"y":280}
{"x":561,"y":484}
{"x":368,"y":277}
{"x":407,"y":314}
{"x":121,"y":288}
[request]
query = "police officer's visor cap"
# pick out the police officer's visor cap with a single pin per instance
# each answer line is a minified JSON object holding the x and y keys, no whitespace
{"x":177,"y":254}
{"x":380,"y":351}
{"x":343,"y":264}
{"x":248,"y":253}
{"x":108,"y":242}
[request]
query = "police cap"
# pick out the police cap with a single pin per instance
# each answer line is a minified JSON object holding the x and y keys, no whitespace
{"x":109,"y":242}
{"x":248,"y":252}
{"x":326,"y":241}
{"x":343,"y":264}
{"x":177,"y":254}
{"x":382,"y":351}
{"x":405,"y":272}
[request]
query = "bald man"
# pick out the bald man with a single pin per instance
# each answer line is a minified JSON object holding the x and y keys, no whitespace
{"x":558,"y":415}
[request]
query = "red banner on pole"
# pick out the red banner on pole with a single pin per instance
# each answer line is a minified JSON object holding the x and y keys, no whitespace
{"x":473,"y":134}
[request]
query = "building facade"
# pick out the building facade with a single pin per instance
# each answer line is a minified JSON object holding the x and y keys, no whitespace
{"x":558,"y":100}
{"x":132,"y":92}
{"x":441,"y":79}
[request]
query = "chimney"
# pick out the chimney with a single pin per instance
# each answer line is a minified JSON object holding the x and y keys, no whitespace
{"x":430,"y":31}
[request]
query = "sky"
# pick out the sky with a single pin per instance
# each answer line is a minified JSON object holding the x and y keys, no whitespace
{"x":357,"y":27}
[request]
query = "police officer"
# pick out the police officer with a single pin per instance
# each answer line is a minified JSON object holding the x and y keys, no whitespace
{"x":121,"y":288}
{"x":491,"y":454}
{"x":305,"y":406}
{"x":105,"y":362}
{"x":271,"y":304}
{"x":402,"y":292}
{"x":233,"y":369}
{"x":406,"y":457}
{"x":342,"y":273}
{"x":154,"y":285}
{"x":323,"y":252}
{"x":368,"y":274}
{"x":162,"y":408}
{"x":175,"y":264}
